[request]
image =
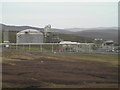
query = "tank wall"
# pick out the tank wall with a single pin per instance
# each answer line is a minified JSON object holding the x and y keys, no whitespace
{"x":29,"y":38}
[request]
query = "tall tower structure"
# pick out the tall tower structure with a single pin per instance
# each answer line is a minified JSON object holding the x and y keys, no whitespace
{"x":47,"y":31}
{"x":50,"y":36}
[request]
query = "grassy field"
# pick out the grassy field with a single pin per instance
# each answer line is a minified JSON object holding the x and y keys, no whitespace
{"x":44,"y":48}
{"x":49,"y":70}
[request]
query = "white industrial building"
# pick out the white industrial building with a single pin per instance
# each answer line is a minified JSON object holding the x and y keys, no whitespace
{"x":76,"y":47}
{"x":108,"y":45}
{"x":29,"y":36}
{"x":49,"y":37}
{"x":35,"y":36}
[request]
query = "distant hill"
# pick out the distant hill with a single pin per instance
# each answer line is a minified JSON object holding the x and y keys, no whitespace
{"x":17,"y":28}
{"x":75,"y":38}
{"x":74,"y":29}
{"x":108,"y":34}
{"x":20,"y":28}
{"x":63,"y":34}
{"x":96,"y":28}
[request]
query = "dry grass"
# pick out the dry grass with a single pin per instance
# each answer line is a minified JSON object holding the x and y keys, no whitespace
{"x":25,"y":69}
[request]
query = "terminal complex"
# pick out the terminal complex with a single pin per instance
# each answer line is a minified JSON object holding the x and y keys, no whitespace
{"x":32,"y":36}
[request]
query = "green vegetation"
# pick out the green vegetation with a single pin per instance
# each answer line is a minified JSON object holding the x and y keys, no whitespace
{"x":75,"y":38}
{"x":0,"y":36}
{"x":12,"y":36}
{"x":68,"y":37}
{"x":34,"y":47}
{"x":108,"y":59}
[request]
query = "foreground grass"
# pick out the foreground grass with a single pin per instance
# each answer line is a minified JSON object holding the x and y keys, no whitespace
{"x":26,"y":68}
{"x":108,"y":59}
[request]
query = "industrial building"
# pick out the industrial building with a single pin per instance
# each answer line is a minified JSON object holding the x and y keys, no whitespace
{"x":51,"y":39}
{"x":68,"y":46}
{"x":35,"y":36}
{"x":50,"y":36}
{"x":29,"y":36}
{"x":105,"y":46}
{"x":108,"y":45}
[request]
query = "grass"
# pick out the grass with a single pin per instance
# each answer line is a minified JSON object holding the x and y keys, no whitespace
{"x":109,"y":59}
{"x":34,"y":47}
{"x":75,"y":38}
{"x":58,"y":70}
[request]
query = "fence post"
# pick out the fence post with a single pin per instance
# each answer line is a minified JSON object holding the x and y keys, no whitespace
{"x":70,"y":48}
{"x":29,"y":47}
{"x":9,"y":46}
{"x":62,"y":48}
{"x":77,"y":48}
{"x":41,"y":47}
{"x":59,"y":48}
{"x":23,"y":46}
{"x":52,"y":47}
{"x":16,"y":46}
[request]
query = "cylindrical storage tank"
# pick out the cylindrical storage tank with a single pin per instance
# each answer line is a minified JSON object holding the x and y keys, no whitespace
{"x":29,"y":36}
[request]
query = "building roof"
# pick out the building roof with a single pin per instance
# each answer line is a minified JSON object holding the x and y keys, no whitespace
{"x":68,"y":42}
{"x":30,"y":31}
{"x":109,"y":41}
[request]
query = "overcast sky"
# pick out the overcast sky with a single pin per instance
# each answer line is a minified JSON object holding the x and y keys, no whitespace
{"x":60,"y":14}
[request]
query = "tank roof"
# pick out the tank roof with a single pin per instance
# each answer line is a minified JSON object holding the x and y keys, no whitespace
{"x":30,"y":31}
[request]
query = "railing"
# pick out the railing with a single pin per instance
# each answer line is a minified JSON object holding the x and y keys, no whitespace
{"x":52,"y":47}
{"x":45,"y":47}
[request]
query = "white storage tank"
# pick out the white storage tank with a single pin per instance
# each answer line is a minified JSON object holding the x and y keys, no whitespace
{"x":29,"y":36}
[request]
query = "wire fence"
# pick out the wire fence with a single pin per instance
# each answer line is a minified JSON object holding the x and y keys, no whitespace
{"x":45,"y":47}
{"x":52,"y":47}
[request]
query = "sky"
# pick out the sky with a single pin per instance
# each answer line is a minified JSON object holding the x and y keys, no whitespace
{"x":60,"y":14}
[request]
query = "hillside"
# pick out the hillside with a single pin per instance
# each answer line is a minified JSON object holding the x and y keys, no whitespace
{"x":75,"y":38}
{"x":19,"y":28}
{"x":105,"y":34}
{"x":66,"y":37}
{"x":63,"y":34}
{"x":96,"y":28}
{"x":73,"y":34}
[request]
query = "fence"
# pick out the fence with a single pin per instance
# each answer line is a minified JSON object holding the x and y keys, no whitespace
{"x":52,"y":47}
{"x":46,"y":47}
